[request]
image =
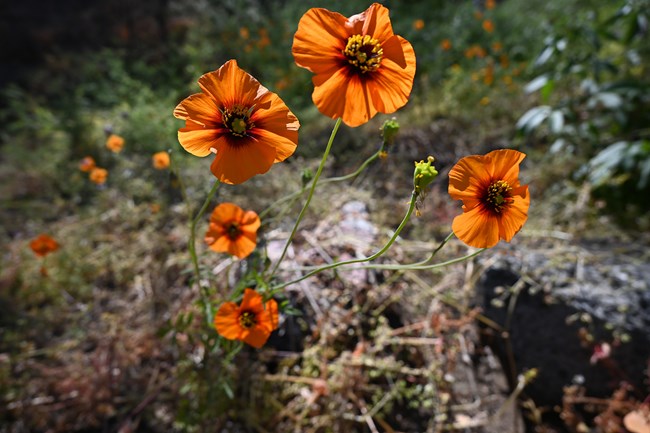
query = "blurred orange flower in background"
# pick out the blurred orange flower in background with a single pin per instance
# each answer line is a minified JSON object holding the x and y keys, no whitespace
{"x":248,"y":127}
{"x":418,"y":24}
{"x":252,"y":321}
{"x":115,"y":143}
{"x":445,"y":45}
{"x":232,"y":230}
{"x":495,"y":205}
{"x":87,"y":164}
{"x":43,"y":245}
{"x":490,"y":4}
{"x":475,"y":51}
{"x":98,"y":175}
{"x":360,"y":66}
{"x":488,"y":26}
{"x":160,"y":160}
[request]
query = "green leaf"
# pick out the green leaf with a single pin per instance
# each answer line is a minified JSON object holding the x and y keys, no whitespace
{"x":547,"y":90}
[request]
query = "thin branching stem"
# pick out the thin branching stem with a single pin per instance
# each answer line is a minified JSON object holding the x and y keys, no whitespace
{"x":303,"y":211}
{"x":385,"y":248}
{"x":191,"y":246}
{"x":295,"y":194}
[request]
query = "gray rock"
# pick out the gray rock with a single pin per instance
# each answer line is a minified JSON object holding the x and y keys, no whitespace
{"x":559,"y":306}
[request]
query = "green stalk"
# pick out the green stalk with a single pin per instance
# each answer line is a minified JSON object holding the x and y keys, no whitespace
{"x":309,"y":196}
{"x":385,"y":248}
{"x":205,"y":296}
{"x":418,"y":267}
{"x":295,"y":194}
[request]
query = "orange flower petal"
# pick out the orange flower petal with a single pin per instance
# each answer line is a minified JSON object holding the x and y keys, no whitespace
{"x":374,"y":21}
{"x":243,"y":246}
{"x":252,"y":301}
{"x":198,"y":142}
{"x":330,"y":96}
{"x":237,"y":164}
{"x":514,"y":217}
{"x":255,"y":336}
{"x":392,"y":84}
{"x":270,"y":316}
{"x":225,"y":213}
{"x":477,"y":228}
{"x":226,"y":321}
{"x":230,"y":85}
{"x":468,"y":178}
{"x":200,"y":109}
{"x":505,"y":164}
{"x":250,"y":222}
{"x":358,"y":108}
{"x":277,"y":125}
{"x":319,"y":40}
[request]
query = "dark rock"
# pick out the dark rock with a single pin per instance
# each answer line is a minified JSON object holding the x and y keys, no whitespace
{"x":559,"y":309}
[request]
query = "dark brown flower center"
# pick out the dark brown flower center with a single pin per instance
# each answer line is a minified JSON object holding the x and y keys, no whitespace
{"x":237,"y":120}
{"x":498,"y":196}
{"x":232,"y":230}
{"x":247,"y":319}
{"x":364,"y":53}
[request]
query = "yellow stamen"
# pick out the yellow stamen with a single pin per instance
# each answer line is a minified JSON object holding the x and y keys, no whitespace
{"x":498,"y":195}
{"x":364,"y":53}
{"x":247,"y":319}
{"x":237,"y":120}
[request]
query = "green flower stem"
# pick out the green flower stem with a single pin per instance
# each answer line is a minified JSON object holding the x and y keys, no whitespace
{"x":385,"y":248}
{"x":418,"y":267}
{"x":205,"y":296}
{"x":293,"y":195}
{"x":420,"y":263}
{"x":355,"y":173}
{"x":309,"y":196}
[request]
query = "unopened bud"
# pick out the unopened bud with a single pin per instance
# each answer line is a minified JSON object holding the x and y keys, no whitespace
{"x":389,"y":130}
{"x":307,"y":176}
{"x":424,"y":174}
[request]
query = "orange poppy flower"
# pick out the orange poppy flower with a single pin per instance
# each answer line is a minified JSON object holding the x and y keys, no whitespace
{"x":247,"y":126}
{"x":43,"y":245}
{"x":115,"y":143}
{"x":98,"y":175}
{"x":252,"y":321}
{"x":490,"y":4}
{"x":87,"y":164}
{"x":160,"y":160}
{"x":488,"y":26}
{"x":418,"y":24}
{"x":361,"y":67}
{"x":445,"y":45}
{"x":232,"y":230}
{"x":495,"y":205}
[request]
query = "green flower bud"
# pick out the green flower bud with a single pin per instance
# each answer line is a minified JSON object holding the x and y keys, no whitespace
{"x":389,"y":130}
{"x":423,"y":175}
{"x":307,"y":176}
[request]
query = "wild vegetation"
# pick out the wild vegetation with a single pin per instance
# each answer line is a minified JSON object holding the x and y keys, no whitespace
{"x":144,"y":289}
